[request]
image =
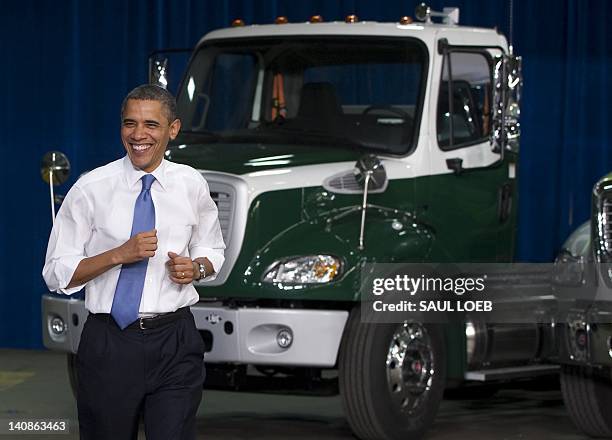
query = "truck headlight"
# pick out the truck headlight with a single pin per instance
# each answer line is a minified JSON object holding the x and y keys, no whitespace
{"x":311,"y":269}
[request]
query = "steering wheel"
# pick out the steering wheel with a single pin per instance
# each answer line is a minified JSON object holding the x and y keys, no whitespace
{"x":387,"y":108}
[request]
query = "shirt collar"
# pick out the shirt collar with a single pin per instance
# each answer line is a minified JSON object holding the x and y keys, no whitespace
{"x":133,"y":174}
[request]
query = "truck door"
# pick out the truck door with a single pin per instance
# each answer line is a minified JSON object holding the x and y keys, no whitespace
{"x":470,"y":187}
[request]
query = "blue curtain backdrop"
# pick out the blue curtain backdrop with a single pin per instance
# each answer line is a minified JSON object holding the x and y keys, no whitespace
{"x":66,"y":65}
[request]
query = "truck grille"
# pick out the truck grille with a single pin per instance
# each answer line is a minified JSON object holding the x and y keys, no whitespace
{"x":606,"y":223}
{"x":230,"y":194}
{"x":224,"y":203}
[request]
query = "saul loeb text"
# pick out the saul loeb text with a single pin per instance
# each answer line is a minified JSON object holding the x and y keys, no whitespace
{"x":404,"y":293}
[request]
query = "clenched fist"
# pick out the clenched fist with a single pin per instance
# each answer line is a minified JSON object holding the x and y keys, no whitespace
{"x":180,"y":268}
{"x":140,"y":246}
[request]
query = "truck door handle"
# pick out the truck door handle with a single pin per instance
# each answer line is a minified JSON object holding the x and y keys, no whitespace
{"x":455,"y":164}
{"x":504,"y":202}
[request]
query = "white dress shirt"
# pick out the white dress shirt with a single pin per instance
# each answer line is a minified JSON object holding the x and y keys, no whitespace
{"x":97,"y":214}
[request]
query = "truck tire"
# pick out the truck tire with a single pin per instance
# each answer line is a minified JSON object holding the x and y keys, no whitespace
{"x":588,"y":399}
{"x":384,"y":396}
{"x":72,"y":372}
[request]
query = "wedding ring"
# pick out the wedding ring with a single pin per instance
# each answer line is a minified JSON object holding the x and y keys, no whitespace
{"x":182,"y":274}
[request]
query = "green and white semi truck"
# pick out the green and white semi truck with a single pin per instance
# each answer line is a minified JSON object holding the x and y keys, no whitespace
{"x":326,"y":146}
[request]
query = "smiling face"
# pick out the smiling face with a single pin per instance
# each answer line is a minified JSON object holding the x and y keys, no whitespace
{"x":146,"y":131}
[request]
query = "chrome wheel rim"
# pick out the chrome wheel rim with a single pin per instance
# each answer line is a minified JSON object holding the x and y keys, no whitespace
{"x":410,"y":366}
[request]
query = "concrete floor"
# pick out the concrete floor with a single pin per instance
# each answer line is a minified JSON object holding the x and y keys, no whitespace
{"x":34,"y":384}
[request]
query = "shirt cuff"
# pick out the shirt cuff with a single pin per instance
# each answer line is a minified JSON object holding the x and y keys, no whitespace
{"x":63,"y":271}
{"x":214,"y":256}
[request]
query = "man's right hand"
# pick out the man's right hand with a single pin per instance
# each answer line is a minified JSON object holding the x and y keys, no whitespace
{"x":137,"y":248}
{"x":140,"y":246}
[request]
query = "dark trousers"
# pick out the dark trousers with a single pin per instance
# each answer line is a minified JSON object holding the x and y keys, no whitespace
{"x":121,"y":374}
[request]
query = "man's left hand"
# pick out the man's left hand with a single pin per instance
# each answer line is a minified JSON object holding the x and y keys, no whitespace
{"x":181,"y":268}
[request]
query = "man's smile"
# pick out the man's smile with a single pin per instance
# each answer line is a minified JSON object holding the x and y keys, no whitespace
{"x":141,"y":147}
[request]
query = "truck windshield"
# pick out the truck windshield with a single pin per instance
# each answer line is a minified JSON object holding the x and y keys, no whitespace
{"x":357,"y":92}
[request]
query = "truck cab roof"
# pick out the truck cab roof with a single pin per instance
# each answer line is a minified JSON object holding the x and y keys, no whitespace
{"x":428,"y":32}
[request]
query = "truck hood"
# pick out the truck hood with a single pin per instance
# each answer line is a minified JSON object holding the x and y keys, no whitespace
{"x":247,"y":158}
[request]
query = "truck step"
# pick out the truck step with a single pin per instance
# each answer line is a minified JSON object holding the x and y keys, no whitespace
{"x":511,"y":372}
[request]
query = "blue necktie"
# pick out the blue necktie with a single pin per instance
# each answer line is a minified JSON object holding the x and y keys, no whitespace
{"x":126,"y":301}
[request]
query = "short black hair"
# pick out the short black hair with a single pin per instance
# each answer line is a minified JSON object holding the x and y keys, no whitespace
{"x":151,"y":92}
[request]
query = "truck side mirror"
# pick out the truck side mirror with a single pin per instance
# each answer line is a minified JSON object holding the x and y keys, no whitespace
{"x":54,"y":170}
{"x":507,"y":84}
{"x":371,"y":175}
{"x":166,"y":65}
{"x":158,"y":70}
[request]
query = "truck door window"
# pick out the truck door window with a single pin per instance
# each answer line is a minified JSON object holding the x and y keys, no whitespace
{"x":464,"y":100}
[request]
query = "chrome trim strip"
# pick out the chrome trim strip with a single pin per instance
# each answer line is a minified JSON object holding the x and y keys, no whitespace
{"x":511,"y":372}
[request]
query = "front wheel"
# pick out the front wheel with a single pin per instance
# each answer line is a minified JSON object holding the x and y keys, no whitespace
{"x":588,"y":399}
{"x":391,"y":378}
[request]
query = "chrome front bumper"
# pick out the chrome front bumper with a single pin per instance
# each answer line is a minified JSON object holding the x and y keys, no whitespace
{"x":242,"y":335}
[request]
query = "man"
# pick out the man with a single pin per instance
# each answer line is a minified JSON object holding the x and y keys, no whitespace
{"x":136,"y":233}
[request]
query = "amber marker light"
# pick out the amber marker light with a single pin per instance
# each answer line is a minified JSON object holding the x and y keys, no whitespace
{"x":351,"y":18}
{"x":238,"y":22}
{"x":316,"y":19}
{"x":405,"y":20}
{"x":322,"y":270}
{"x":281,"y":20}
